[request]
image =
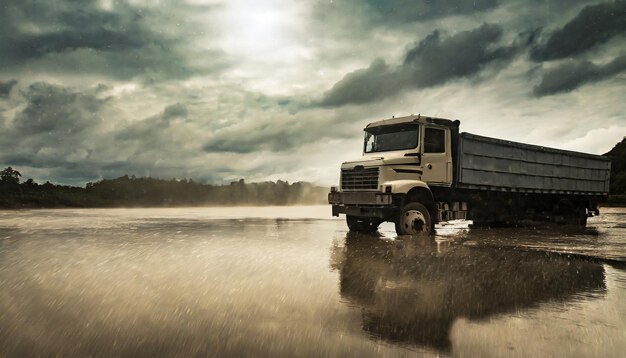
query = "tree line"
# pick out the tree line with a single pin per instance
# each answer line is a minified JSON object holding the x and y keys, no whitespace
{"x":618,"y":173}
{"x":131,"y":191}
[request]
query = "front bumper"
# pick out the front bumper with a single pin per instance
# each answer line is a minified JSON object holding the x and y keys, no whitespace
{"x":363,"y":204}
{"x":360,"y":198}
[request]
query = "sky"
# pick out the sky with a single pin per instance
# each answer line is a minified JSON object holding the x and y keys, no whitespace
{"x":281,"y":89}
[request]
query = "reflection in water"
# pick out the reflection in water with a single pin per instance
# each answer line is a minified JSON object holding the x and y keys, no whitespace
{"x":413,"y":291}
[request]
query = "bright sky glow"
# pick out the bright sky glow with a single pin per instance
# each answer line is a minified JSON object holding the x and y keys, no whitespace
{"x":255,"y":30}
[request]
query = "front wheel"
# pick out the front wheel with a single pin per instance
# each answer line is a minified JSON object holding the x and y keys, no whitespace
{"x":414,"y":219}
{"x":359,"y":224}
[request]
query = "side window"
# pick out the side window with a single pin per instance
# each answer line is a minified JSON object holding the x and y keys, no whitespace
{"x":434,"y":140}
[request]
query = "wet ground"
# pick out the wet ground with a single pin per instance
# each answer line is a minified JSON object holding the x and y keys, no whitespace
{"x":292,"y":282}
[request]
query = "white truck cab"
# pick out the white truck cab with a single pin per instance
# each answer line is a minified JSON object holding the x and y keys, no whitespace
{"x":402,"y":159}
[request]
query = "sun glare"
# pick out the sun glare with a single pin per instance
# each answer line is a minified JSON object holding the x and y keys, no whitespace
{"x":255,"y":28}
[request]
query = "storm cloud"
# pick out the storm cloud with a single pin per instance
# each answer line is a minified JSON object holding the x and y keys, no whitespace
{"x":177,"y":110}
{"x":56,"y":127}
{"x":594,"y":25}
{"x":365,"y":85}
{"x":276,"y":134}
{"x":76,"y":134}
{"x":121,"y":41}
{"x":572,"y":75}
{"x":394,"y":13}
{"x":409,"y":10}
{"x":6,"y":87}
{"x":433,"y":61}
{"x":54,"y":110}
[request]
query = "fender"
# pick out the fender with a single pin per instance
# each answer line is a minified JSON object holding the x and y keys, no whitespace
{"x":404,"y":186}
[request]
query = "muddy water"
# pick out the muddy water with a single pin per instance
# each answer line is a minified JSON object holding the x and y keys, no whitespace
{"x":292,"y":282}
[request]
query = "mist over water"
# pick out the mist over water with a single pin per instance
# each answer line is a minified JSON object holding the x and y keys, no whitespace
{"x":291,"y":281}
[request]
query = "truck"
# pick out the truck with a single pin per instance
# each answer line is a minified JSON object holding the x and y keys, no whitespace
{"x":417,"y":171}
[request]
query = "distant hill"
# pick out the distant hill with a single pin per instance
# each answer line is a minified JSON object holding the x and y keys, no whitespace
{"x":618,"y":172}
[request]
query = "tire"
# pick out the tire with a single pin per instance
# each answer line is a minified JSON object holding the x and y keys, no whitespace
{"x":414,"y":219}
{"x":573,"y":213}
{"x":360,"y":224}
{"x":580,"y":216}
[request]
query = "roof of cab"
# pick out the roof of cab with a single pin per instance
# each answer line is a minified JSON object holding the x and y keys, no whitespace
{"x":415,"y":119}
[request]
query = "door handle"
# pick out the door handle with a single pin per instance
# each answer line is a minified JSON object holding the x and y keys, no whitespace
{"x":429,"y":166}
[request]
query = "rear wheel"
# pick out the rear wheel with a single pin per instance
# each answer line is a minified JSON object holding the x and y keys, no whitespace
{"x":571,"y":213}
{"x":360,"y":224}
{"x":414,"y":219}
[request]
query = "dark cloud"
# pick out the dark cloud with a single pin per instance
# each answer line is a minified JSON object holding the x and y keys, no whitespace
{"x":433,"y":61}
{"x":594,"y":25}
{"x":72,"y":134}
{"x":411,"y":10}
{"x":276,"y":141}
{"x":176,"y":110}
{"x":572,"y":75}
{"x":6,"y":87}
{"x":56,"y":110}
{"x":153,"y":129}
{"x":282,"y":132}
{"x":69,"y":25}
{"x":124,"y":41}
{"x":55,"y":128}
{"x":390,"y":13}
{"x":264,"y":136}
{"x":365,"y":85}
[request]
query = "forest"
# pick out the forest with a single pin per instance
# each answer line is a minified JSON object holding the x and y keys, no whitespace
{"x":131,"y":191}
{"x":618,"y":173}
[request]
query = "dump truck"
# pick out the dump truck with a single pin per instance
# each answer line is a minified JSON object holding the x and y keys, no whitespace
{"x":417,"y":171}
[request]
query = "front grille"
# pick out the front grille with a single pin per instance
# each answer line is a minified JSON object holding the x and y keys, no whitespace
{"x":359,"y":179}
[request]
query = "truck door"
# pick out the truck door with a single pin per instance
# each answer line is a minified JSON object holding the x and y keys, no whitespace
{"x":436,"y":156}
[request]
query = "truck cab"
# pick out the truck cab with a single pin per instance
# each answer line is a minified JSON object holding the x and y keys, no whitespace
{"x":403,"y":158}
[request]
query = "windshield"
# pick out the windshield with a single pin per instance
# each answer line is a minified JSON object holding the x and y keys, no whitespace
{"x":385,"y":139}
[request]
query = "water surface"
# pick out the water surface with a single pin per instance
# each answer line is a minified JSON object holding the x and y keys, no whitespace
{"x":291,"y":281}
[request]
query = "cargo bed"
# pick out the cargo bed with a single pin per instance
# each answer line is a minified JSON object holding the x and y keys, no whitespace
{"x":494,"y":164}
